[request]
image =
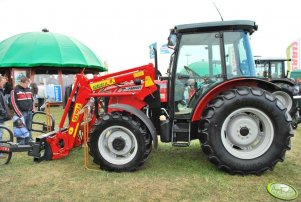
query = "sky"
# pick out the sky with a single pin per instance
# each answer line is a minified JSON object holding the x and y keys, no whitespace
{"x":120,"y":31}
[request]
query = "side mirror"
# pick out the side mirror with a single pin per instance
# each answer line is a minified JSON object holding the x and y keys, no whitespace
{"x":172,"y":41}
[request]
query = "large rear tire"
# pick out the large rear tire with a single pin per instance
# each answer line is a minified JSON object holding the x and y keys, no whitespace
{"x":245,"y":130}
{"x":119,"y":142}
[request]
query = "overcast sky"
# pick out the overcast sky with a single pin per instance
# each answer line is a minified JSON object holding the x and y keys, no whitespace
{"x":120,"y":31}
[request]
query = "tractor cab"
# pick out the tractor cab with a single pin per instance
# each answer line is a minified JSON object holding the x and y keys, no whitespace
{"x":272,"y":68}
{"x":206,"y":54}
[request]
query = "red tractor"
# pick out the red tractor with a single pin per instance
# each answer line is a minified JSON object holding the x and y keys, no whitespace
{"x":210,"y":94}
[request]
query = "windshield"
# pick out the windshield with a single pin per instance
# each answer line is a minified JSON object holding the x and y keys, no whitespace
{"x":238,"y":55}
{"x":199,"y":64}
{"x":270,"y":69}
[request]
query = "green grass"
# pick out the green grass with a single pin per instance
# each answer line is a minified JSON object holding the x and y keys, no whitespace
{"x":171,"y":174}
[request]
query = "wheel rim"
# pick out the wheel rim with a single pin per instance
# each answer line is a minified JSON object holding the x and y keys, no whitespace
{"x":285,"y":99}
{"x":117,"y":145}
{"x":247,"y":133}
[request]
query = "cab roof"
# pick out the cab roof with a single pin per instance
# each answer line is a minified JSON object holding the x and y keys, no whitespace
{"x":272,"y":59}
{"x":246,"y":25}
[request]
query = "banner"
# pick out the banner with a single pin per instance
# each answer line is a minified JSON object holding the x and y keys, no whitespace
{"x":54,"y":93}
{"x":293,"y":53}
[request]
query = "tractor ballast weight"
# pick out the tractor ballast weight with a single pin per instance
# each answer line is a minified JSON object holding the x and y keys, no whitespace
{"x":210,"y":94}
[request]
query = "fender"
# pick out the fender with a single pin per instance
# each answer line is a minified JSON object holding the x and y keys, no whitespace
{"x":204,"y":100}
{"x":142,"y":117}
{"x":286,"y":81}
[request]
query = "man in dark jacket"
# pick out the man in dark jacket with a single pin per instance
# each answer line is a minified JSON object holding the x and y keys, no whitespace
{"x":34,"y":88}
{"x":4,"y":111}
{"x":7,"y":89}
{"x":23,"y":102}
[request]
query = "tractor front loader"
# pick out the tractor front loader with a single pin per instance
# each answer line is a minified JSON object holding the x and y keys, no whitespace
{"x":129,"y":90}
{"x":210,"y":94}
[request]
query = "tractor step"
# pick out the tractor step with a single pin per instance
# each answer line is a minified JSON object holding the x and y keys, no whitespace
{"x":181,"y":134}
{"x":181,"y":130}
{"x":180,"y":144}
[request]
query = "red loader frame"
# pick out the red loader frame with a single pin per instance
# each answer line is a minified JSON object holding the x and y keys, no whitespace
{"x":140,"y":79}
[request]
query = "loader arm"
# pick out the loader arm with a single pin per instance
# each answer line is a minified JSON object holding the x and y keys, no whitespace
{"x":84,"y":89}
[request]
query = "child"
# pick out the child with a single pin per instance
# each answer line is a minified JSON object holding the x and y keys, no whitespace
{"x":20,"y":130}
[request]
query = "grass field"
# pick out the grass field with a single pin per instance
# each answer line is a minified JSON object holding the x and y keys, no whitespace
{"x":171,"y":174}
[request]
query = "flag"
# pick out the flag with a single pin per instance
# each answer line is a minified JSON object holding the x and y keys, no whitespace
{"x":164,"y":49}
{"x":151,"y":50}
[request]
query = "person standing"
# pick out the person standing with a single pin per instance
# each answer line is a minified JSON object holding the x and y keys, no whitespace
{"x":34,"y":89}
{"x":7,"y":89}
{"x":23,"y":102}
{"x":68,"y":91}
{"x":41,"y":95}
{"x":4,"y":110}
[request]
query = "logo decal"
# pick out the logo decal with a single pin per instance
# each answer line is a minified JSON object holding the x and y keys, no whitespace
{"x":138,"y":74}
{"x":70,"y":131}
{"x":77,"y":108}
{"x":4,"y":149}
{"x":132,"y":88}
{"x":103,"y":83}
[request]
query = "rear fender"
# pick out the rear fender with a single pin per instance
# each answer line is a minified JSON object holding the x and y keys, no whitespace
{"x":254,"y":82}
{"x":150,"y":126}
{"x":286,"y":81}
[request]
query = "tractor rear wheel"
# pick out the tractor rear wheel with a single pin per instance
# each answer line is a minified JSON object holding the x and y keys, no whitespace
{"x":119,"y":142}
{"x":245,"y":130}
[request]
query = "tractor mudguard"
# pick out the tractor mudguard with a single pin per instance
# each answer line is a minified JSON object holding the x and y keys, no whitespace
{"x":266,"y":85}
{"x":286,"y":81}
{"x":142,"y":117}
{"x":232,"y":83}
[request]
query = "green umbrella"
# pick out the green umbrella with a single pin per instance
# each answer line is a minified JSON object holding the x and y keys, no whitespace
{"x":35,"y":49}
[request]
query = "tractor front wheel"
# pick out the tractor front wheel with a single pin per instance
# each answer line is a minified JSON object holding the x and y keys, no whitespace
{"x":245,"y":130}
{"x":119,"y":142}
